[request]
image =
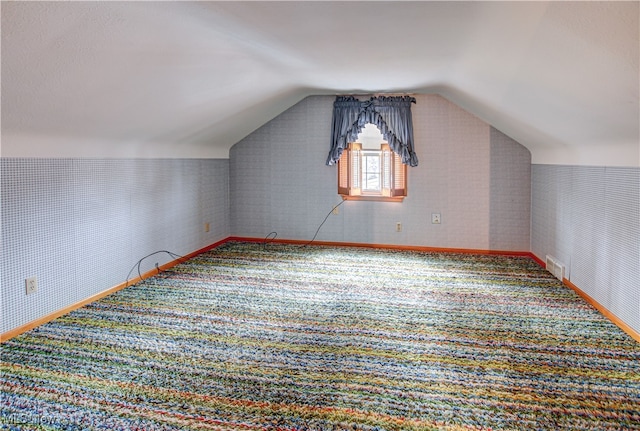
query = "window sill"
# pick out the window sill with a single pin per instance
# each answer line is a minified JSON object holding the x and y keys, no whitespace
{"x":373,"y":198}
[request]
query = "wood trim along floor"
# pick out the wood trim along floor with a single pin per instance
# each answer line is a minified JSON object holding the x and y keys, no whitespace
{"x":391,"y":247}
{"x":49,"y":317}
{"x":41,"y":321}
{"x":608,"y":314}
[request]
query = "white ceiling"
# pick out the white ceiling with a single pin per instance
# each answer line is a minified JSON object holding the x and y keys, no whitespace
{"x":185,"y":79}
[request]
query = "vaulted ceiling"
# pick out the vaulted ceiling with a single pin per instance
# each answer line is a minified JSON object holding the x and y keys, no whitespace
{"x":193,"y":78}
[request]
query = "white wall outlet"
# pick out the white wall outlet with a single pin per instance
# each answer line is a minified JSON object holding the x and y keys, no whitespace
{"x":398,"y":227}
{"x":207,"y":227}
{"x":435,"y":218}
{"x":335,"y":211}
{"x":31,"y":285}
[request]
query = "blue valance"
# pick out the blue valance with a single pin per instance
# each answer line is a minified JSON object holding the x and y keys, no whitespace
{"x":391,"y":114}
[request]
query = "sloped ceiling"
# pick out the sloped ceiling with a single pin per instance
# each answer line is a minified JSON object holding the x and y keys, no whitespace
{"x":190,"y":79}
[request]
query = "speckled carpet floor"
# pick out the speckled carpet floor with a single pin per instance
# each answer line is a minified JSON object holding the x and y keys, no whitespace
{"x":280,"y":337}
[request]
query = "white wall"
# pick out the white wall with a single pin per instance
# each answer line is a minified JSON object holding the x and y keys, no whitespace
{"x":37,"y":145}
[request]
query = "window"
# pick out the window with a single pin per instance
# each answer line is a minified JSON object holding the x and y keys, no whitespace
{"x":371,"y":174}
{"x":366,"y":171}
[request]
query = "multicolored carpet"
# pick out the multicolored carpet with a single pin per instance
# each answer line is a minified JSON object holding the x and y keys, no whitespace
{"x":280,"y":337}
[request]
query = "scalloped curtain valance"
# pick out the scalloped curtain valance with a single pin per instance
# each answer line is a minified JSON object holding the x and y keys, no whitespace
{"x":391,"y":114}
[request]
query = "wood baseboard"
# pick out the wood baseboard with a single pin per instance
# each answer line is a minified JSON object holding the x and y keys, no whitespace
{"x":49,"y":317}
{"x":608,"y":314}
{"x":389,"y":247}
{"x":24,"y":328}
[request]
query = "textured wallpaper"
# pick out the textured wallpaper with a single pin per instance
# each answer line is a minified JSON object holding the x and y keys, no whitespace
{"x":589,"y":219}
{"x":79,"y":225}
{"x":474,"y":176}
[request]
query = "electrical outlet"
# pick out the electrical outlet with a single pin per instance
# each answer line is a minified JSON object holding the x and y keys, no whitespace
{"x":206,"y":227}
{"x":435,"y":218}
{"x":335,"y":211}
{"x":31,"y":285}
{"x":398,"y":227}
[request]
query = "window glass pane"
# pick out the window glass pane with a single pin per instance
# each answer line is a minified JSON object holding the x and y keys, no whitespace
{"x":371,"y":170}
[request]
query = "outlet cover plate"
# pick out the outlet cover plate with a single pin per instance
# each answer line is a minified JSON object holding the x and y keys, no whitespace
{"x":31,"y":285}
{"x":435,"y":218}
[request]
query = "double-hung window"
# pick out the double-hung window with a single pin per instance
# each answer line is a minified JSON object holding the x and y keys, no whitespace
{"x":371,"y":174}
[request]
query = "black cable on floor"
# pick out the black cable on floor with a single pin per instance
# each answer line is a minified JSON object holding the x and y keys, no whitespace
{"x":173,"y":255}
{"x":268,"y":239}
